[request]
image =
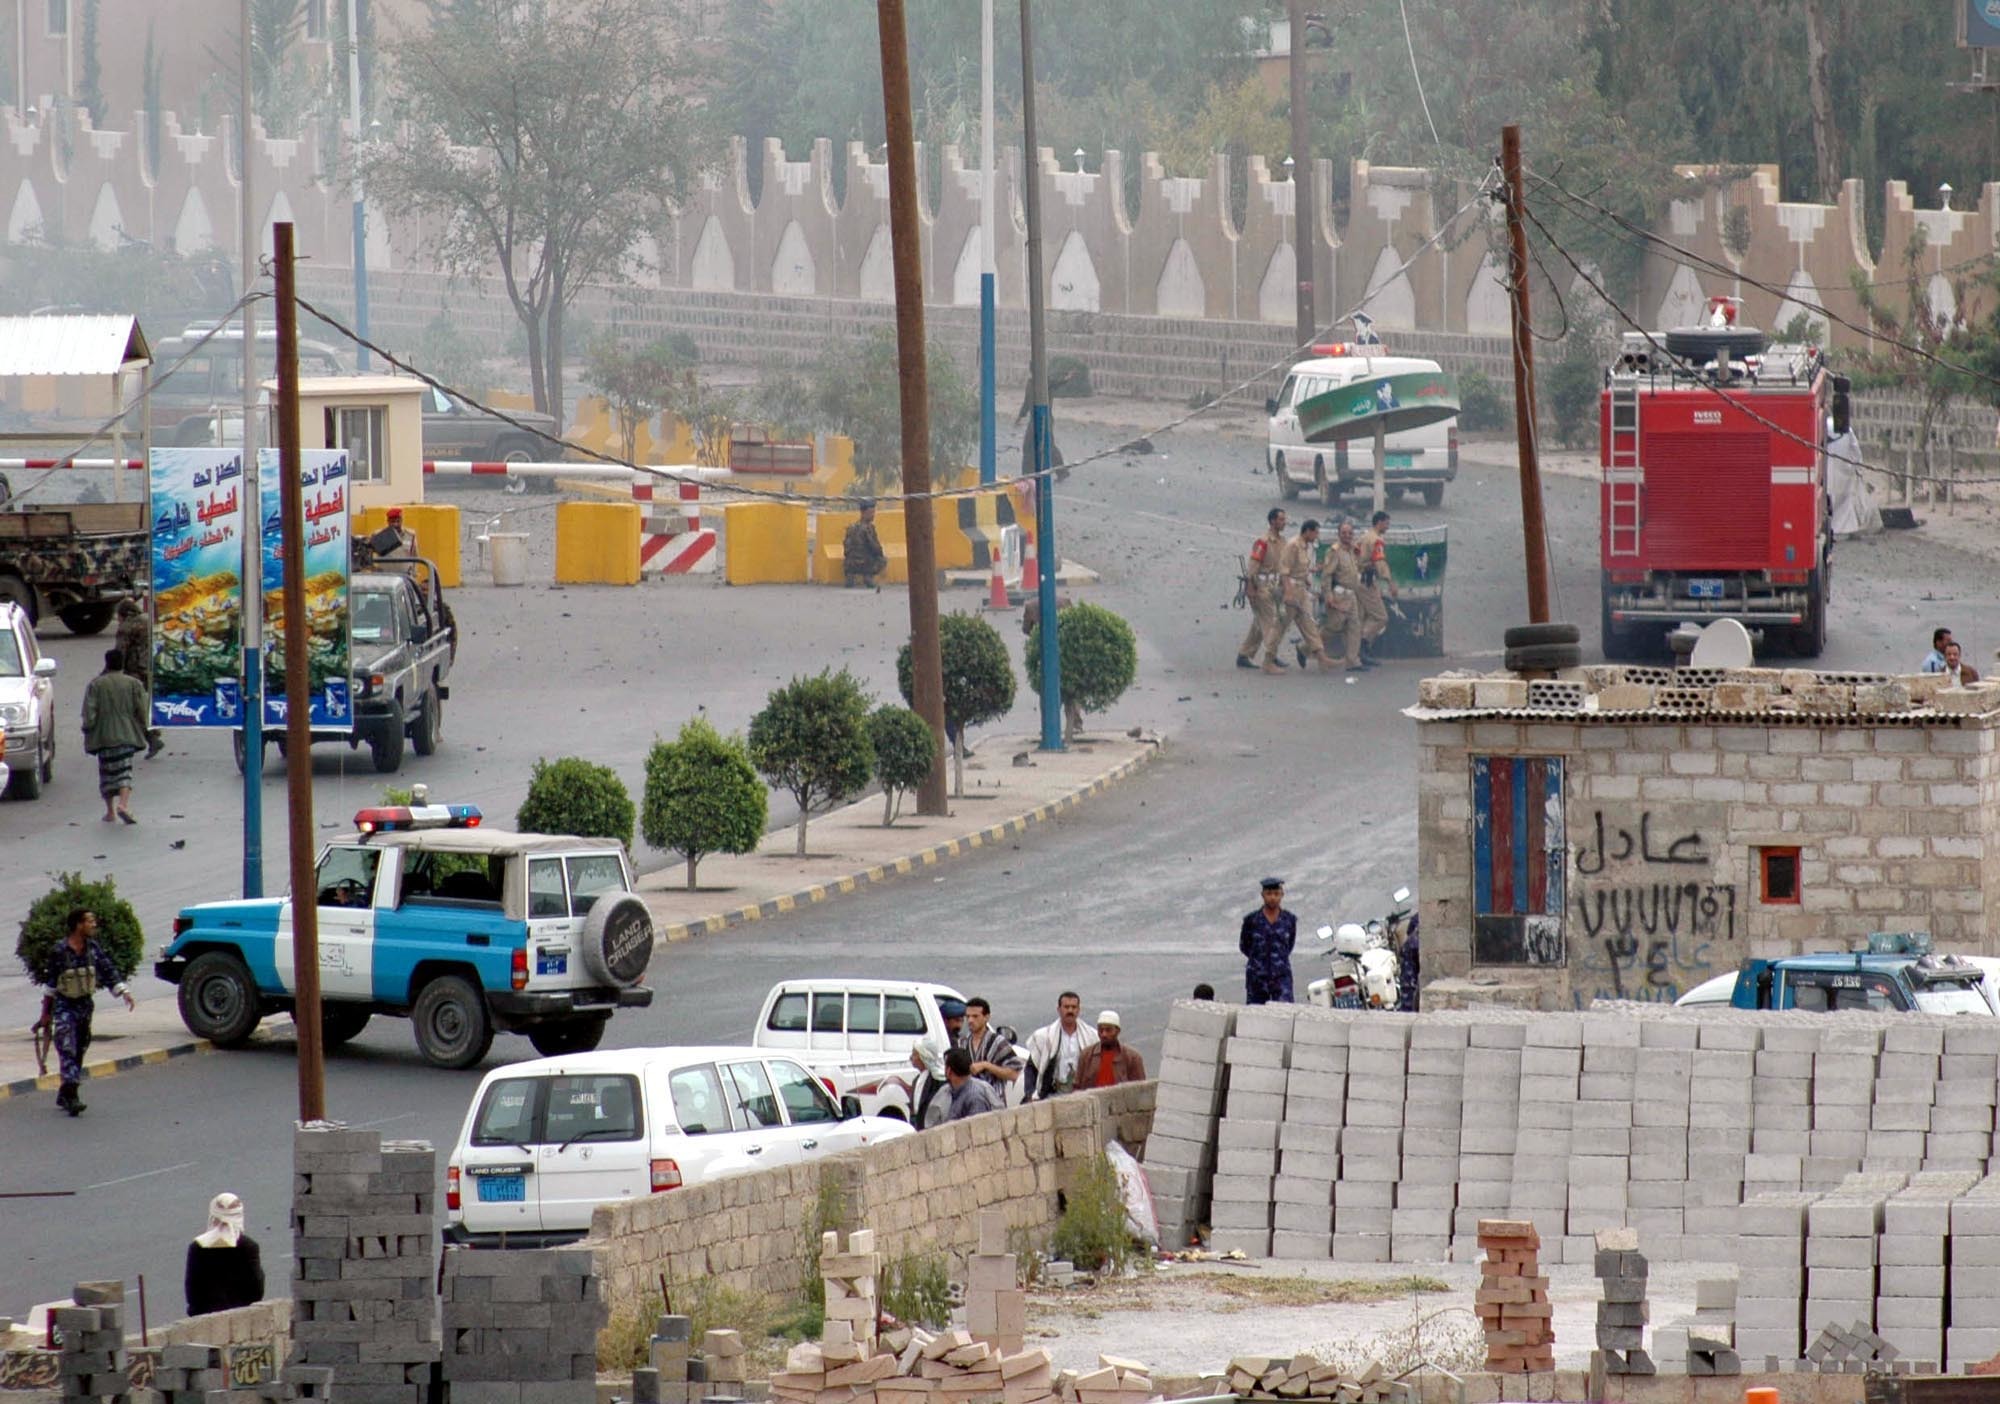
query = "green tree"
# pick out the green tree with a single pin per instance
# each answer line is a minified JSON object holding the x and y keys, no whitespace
{"x":978,"y":681}
{"x":576,"y":796}
{"x":548,"y":140}
{"x":47,"y":922}
{"x":811,"y":740}
{"x":637,"y":382}
{"x":1099,"y":658}
{"x":1926,"y":349}
{"x":702,"y":796}
{"x":905,"y":750}
{"x":853,"y":389}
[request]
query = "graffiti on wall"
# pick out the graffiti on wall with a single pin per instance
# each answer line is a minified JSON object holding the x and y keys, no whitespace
{"x":1648,"y":918}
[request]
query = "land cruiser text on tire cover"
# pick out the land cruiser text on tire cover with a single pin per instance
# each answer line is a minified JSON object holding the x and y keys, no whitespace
{"x":617,"y":940}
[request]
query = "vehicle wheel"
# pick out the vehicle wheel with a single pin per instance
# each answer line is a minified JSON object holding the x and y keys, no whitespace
{"x":571,"y":1036}
{"x":15,"y":590}
{"x":453,"y":1030}
{"x":237,"y":749}
{"x":1286,"y":487}
{"x":1529,"y":635}
{"x":429,"y":725}
{"x":1811,"y":636}
{"x":218,"y":999}
{"x":341,"y":1023}
{"x":1329,"y":489}
{"x":1433,"y":494}
{"x":388,"y":751}
{"x":1395,"y":494}
{"x":617,"y":940}
{"x":26,"y":781}
{"x":83,"y":619}
{"x":1550,"y":658}
{"x":49,"y":759}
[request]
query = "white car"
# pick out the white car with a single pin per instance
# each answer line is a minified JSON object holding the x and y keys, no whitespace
{"x":856,"y":1034}
{"x":1417,"y":460}
{"x":544,"y":1143}
{"x":27,"y":704}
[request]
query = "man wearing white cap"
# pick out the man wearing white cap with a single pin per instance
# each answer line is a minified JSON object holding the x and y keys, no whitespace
{"x":1108,"y":1062}
{"x":225,"y":1270}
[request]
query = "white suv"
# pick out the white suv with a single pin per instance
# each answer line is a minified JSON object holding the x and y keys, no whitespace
{"x":1417,"y":460}
{"x":857,"y":1034}
{"x":544,"y":1143}
{"x":27,"y":704}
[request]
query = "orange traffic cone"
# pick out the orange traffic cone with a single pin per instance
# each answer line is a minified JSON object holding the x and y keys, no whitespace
{"x":996,"y":589}
{"x":1031,"y":570}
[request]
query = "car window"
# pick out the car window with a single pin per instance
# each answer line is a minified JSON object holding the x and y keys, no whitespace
{"x":374,"y":619}
{"x":788,"y":1015}
{"x":698,"y":1103}
{"x":752,"y":1095}
{"x":452,"y":877}
{"x":507,"y":1116}
{"x":864,"y":1014}
{"x":590,"y":877}
{"x":828,"y":1015}
{"x":806,"y":1102}
{"x":1812,"y":997}
{"x":902,"y":1014}
{"x":11,"y":664}
{"x":1285,"y":395}
{"x":440,"y":402}
{"x":546,"y":895}
{"x":591,"y":1106}
{"x":347,"y":877}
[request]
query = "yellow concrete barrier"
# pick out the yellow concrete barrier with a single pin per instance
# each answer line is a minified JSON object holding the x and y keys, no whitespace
{"x":830,"y":530}
{"x":434,"y":525}
{"x":764,"y":543}
{"x":597,"y":543}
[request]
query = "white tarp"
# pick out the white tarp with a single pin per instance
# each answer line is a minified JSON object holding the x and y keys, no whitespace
{"x":1855,"y":512}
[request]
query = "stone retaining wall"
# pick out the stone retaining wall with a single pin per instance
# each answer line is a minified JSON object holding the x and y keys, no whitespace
{"x":920,"y":1193}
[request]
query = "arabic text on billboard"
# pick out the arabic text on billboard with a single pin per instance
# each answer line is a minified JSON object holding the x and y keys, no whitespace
{"x":323,"y":487}
{"x":197,"y":504}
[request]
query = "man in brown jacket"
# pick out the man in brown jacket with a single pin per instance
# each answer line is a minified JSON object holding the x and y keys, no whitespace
{"x":1107,"y":1062}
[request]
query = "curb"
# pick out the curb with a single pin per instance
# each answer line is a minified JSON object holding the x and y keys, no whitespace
{"x":881,"y":872}
{"x":109,"y":1067}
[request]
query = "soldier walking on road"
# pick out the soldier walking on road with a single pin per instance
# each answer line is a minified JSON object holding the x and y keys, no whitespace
{"x":1299,"y":566}
{"x":135,"y":641}
{"x":1266,"y":942}
{"x":72,"y":972}
{"x":1374,"y":579}
{"x":1342,"y":580}
{"x":1261,"y":586}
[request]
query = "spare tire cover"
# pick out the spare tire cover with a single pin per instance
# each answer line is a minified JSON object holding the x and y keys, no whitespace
{"x":617,"y":939}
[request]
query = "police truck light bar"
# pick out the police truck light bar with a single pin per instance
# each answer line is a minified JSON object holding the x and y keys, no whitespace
{"x":391,"y":819}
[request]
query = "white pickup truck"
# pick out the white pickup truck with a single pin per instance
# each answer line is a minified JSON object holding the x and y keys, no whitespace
{"x":856,"y":1035}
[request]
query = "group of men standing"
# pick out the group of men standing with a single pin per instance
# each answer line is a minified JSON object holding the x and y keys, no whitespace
{"x":1297,"y":583}
{"x":980,"y":1060}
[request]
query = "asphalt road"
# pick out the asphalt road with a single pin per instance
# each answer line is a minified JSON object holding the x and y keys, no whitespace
{"x":1130,"y":901}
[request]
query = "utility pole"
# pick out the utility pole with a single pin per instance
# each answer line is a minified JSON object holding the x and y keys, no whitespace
{"x":988,"y":294}
{"x":1533,"y":533}
{"x":360,"y":196}
{"x":1038,"y":391}
{"x":298,"y":700}
{"x":253,"y":515}
{"x":919,"y":520}
{"x":1305,"y":237}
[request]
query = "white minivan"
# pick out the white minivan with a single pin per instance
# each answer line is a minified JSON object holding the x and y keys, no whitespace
{"x":545,"y":1142}
{"x":856,"y":1033}
{"x":1416,"y":460}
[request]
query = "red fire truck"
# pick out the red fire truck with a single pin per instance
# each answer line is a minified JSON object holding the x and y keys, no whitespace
{"x":1714,"y":500}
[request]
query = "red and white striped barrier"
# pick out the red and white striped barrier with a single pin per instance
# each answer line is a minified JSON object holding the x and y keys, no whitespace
{"x":672,"y":540}
{"x":36,"y":464}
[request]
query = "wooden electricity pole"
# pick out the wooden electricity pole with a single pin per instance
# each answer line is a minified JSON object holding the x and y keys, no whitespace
{"x":1534,"y":534}
{"x":919,"y":523}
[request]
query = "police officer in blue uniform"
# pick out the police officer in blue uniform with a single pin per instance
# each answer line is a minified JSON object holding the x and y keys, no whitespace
{"x":72,"y":972}
{"x":1266,"y":941}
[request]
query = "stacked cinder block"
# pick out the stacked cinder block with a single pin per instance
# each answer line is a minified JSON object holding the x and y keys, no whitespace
{"x":665,"y":1378}
{"x":1842,"y":1227}
{"x":1771,"y":1276}
{"x":1974,"y":1332}
{"x":1722,"y":1081}
{"x":363,"y":1274}
{"x":1853,"y":1350}
{"x":1433,"y":1110}
{"x":1781,"y":1110}
{"x":1488,"y":1125}
{"x":1303,"y":1376}
{"x":1961,"y":1134}
{"x":1706,"y":1339}
{"x":723,"y":1354}
{"x":1551,"y":1066}
{"x":1622,"y":1309}
{"x":1843,"y":1096}
{"x":1246,"y":1157}
{"x":1600,"y":1149}
{"x":186,"y":1373}
{"x":93,"y":1364}
{"x":1180,"y":1150}
{"x":1910,"y":1261}
{"x":1657,"y":1197}
{"x":1906,"y":1079}
{"x":520,"y":1327}
{"x":850,"y":1277}
{"x":1512,"y":1302}
{"x":1114,"y":1381}
{"x":1309,"y":1137}
{"x":1371,"y":1140}
{"x":996,"y":1309}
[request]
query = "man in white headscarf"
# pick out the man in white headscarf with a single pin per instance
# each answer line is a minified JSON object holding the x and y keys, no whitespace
{"x":225,"y":1270}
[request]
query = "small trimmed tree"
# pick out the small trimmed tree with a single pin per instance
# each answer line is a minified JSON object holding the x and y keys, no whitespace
{"x":576,"y":796}
{"x":978,"y":681}
{"x":702,"y":796}
{"x":811,"y":740}
{"x":47,"y":922}
{"x":1099,"y":657}
{"x":904,"y":750}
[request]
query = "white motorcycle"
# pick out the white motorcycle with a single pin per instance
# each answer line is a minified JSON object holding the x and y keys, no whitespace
{"x":1365,"y":964}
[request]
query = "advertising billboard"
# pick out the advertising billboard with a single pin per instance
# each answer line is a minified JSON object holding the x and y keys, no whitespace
{"x":326,"y":566}
{"x":198,"y":500}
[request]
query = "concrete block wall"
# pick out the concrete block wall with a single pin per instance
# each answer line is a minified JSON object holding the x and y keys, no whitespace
{"x":520,"y":1327}
{"x":1182,"y":1149}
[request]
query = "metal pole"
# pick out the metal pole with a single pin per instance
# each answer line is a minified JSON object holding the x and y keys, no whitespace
{"x":253,"y":517}
{"x":988,"y":467}
{"x":919,"y":522}
{"x":298,"y":700}
{"x":360,"y":196}
{"x":1534,"y":536}
{"x":1038,"y":391}
{"x":1306,"y":236}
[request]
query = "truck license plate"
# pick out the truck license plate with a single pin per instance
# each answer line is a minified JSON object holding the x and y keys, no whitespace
{"x":1705,"y":589}
{"x":503,"y":1189}
{"x":1399,"y":460}
{"x":551,"y":962}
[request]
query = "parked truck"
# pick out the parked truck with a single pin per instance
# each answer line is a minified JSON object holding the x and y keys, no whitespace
{"x":74,"y":560}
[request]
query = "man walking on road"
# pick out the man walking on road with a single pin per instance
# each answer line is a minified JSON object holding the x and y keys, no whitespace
{"x":114,"y":730}
{"x":1108,"y":1062}
{"x":1261,"y":587}
{"x":72,"y":972}
{"x":1053,"y":1050}
{"x":135,"y":641}
{"x":1266,"y":942}
{"x":1299,"y":566}
{"x":1374,"y":579}
{"x":1342,"y":582}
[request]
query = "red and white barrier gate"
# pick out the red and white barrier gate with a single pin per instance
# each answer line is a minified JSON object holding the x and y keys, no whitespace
{"x":672,"y":540}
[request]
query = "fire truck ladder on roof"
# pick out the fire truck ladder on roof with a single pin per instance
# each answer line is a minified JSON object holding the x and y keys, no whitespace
{"x":1622,"y":473}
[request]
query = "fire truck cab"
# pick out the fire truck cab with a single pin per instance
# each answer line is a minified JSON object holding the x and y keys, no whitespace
{"x":1714,"y":496}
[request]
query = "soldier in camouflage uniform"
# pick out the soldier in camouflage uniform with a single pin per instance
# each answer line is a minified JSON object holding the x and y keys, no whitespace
{"x":135,"y":641}
{"x":72,"y":972}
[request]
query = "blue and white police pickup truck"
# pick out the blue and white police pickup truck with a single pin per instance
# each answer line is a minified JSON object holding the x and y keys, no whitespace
{"x":427,"y":915}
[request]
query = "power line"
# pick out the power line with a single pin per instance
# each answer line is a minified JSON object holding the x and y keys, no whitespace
{"x":1408,"y":43}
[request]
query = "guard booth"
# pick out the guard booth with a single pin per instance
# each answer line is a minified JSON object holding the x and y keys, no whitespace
{"x":1416,"y":615}
{"x":379,"y":420}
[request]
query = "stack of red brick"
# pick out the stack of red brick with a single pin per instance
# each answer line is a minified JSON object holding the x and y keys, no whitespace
{"x":1513,"y":1299}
